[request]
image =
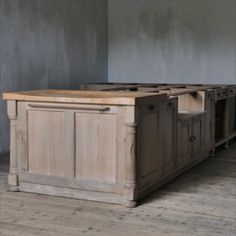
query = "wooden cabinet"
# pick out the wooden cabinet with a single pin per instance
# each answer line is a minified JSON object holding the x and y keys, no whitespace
{"x":100,"y":146}
{"x":112,"y":146}
{"x":190,"y":138}
{"x":225,"y":115}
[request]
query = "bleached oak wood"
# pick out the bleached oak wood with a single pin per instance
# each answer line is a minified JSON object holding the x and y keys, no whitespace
{"x":116,"y":146}
{"x":46,"y":135}
{"x":130,"y":183}
{"x":222,"y":92}
{"x":13,"y":178}
{"x":95,"y":133}
{"x":78,"y":96}
{"x":95,"y":139}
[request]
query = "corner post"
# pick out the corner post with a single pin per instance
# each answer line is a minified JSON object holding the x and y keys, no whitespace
{"x":130,"y":168}
{"x":13,"y":179}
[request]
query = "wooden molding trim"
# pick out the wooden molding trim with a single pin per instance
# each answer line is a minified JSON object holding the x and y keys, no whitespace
{"x":13,"y":177}
{"x":130,"y":184}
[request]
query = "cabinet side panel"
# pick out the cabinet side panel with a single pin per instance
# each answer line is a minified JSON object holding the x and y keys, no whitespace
{"x":96,"y":147}
{"x":148,"y":150}
{"x":46,"y":135}
{"x":169,"y":137}
{"x":148,"y":132}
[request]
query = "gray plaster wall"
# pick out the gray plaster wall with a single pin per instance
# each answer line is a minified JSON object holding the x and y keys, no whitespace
{"x":172,"y":41}
{"x":50,"y":44}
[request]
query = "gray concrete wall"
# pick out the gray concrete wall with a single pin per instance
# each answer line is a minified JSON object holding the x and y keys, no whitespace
{"x":172,"y":41}
{"x":50,"y":44}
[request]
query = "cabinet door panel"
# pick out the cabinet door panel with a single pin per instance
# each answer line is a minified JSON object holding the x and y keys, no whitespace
{"x":46,"y":135}
{"x":148,"y":149}
{"x":198,"y":134}
{"x":184,"y":146}
{"x":95,"y":147}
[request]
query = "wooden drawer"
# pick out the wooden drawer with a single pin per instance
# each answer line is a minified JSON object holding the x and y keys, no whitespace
{"x":209,"y":94}
{"x":221,"y":93}
{"x":232,"y":91}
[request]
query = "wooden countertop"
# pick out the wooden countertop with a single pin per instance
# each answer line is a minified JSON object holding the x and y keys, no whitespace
{"x":79,"y":96}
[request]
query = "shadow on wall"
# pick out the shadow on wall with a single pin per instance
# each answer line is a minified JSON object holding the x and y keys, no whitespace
{"x":50,"y":44}
{"x":165,"y":41}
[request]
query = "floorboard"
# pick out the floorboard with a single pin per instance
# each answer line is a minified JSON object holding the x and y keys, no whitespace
{"x":201,"y":202}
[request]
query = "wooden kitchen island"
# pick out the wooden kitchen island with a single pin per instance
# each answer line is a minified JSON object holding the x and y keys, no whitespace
{"x":113,"y":147}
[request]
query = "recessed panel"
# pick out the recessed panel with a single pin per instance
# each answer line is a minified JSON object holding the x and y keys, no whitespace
{"x":46,"y":135}
{"x":96,"y":147}
{"x":149,"y":155}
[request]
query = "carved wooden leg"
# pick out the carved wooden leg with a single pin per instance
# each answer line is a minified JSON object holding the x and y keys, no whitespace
{"x":13,"y":173}
{"x":129,"y":199}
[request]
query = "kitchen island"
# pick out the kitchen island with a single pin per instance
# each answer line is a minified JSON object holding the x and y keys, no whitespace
{"x":105,"y":146}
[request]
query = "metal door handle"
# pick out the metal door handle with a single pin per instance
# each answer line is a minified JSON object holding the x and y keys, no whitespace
{"x":70,"y":107}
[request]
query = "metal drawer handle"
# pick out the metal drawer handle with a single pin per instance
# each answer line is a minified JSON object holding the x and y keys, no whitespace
{"x":70,"y":108}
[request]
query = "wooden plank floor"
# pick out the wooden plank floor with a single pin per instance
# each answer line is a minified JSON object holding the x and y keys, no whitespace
{"x":200,"y":202}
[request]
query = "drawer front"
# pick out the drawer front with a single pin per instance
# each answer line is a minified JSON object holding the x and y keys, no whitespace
{"x":209,"y":94}
{"x":232,"y":91}
{"x":221,"y":93}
